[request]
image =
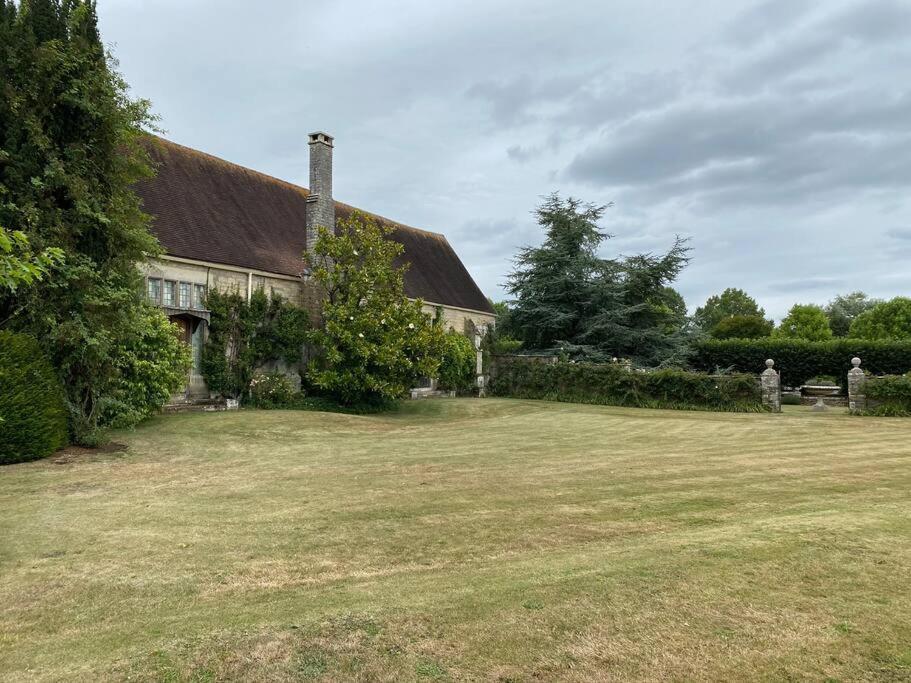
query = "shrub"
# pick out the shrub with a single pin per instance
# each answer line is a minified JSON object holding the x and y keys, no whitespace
{"x":890,"y":396}
{"x":612,"y":384}
{"x":152,"y":363}
{"x":798,"y":360}
{"x":272,"y":390}
{"x":33,"y":415}
{"x":457,"y":368}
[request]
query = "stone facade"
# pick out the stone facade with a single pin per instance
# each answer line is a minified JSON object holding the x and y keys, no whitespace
{"x":192,"y":317}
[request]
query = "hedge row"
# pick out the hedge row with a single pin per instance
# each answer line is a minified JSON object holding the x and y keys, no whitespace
{"x":799,"y":360}
{"x":613,"y":385}
{"x":33,"y":417}
{"x":890,"y":396}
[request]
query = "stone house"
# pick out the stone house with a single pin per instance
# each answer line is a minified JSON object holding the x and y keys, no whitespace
{"x":227,"y":227}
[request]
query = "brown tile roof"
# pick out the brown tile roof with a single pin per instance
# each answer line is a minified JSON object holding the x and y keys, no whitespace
{"x":208,"y":209}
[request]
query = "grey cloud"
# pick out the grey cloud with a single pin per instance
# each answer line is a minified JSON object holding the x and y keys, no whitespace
{"x":901,"y":234}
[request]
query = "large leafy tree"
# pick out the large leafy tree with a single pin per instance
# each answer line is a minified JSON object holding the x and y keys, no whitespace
{"x":845,"y":308}
{"x":374,"y":342}
{"x":730,"y":303}
{"x":70,"y":153}
{"x":742,"y":327}
{"x":886,"y":320}
{"x":566,"y":294}
{"x":805,"y":321}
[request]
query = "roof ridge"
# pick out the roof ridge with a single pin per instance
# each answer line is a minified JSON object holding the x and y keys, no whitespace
{"x":298,"y":188}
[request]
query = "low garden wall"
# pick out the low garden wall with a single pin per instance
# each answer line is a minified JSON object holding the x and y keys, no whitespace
{"x":617,"y":385}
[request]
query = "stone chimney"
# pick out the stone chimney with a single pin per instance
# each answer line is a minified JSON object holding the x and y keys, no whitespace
{"x":320,"y":205}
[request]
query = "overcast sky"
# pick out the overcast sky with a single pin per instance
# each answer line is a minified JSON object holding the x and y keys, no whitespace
{"x":775,"y":134}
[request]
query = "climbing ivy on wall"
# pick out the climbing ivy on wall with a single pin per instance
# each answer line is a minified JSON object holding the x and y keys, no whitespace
{"x":245,"y":335}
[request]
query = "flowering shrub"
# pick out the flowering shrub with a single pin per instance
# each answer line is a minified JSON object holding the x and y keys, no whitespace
{"x":375,"y":343}
{"x":272,"y":390}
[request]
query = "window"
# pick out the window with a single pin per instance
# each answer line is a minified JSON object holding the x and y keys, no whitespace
{"x":184,"y":294}
{"x":199,"y":296}
{"x":154,"y":290}
{"x":169,"y":297}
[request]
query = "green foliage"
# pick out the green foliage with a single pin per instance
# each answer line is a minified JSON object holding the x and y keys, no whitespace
{"x":457,"y":368}
{"x":272,"y":390}
{"x":742,"y":327}
{"x":18,"y":265}
{"x":32,"y":409}
{"x":375,"y":343}
{"x":891,"y":395}
{"x":566,"y":294}
{"x":151,"y":364}
{"x":799,"y":360}
{"x":70,"y":153}
{"x":885,"y":320}
{"x":845,"y":308}
{"x":732,"y":302}
{"x":245,"y":335}
{"x":805,"y":321}
{"x":612,"y":384}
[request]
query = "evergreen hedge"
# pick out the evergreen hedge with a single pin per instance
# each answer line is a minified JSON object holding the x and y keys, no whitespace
{"x":609,"y":384}
{"x":33,"y":415}
{"x":798,"y":360}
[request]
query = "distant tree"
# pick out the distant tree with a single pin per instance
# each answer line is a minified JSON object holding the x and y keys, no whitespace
{"x":742,"y":327}
{"x":886,"y":320}
{"x":845,"y":308}
{"x":731,"y":302}
{"x":805,"y":321}
{"x":565,"y":294}
{"x":374,"y":342}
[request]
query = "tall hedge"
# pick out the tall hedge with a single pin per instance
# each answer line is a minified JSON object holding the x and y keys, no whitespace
{"x":608,"y":384}
{"x":33,"y":416}
{"x":799,"y":360}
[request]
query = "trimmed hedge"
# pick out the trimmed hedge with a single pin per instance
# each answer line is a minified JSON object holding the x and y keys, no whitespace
{"x":890,"y":395}
{"x":33,"y":416}
{"x":609,"y":384}
{"x":798,"y":360}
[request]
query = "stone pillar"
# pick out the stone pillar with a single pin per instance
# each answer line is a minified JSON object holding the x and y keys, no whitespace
{"x":857,"y":399}
{"x":479,"y":365}
{"x":771,"y":387}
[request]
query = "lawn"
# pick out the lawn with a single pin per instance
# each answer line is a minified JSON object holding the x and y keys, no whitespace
{"x":465,"y":539}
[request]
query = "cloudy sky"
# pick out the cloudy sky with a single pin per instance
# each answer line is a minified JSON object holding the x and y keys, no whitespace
{"x":776,"y":134}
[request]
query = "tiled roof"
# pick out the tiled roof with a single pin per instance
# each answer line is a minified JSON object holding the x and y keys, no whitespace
{"x":208,"y":209}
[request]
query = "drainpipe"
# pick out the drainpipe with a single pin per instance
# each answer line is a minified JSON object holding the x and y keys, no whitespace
{"x":249,"y":286}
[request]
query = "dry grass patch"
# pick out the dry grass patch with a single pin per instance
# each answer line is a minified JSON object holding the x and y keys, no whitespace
{"x":465,"y":540}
